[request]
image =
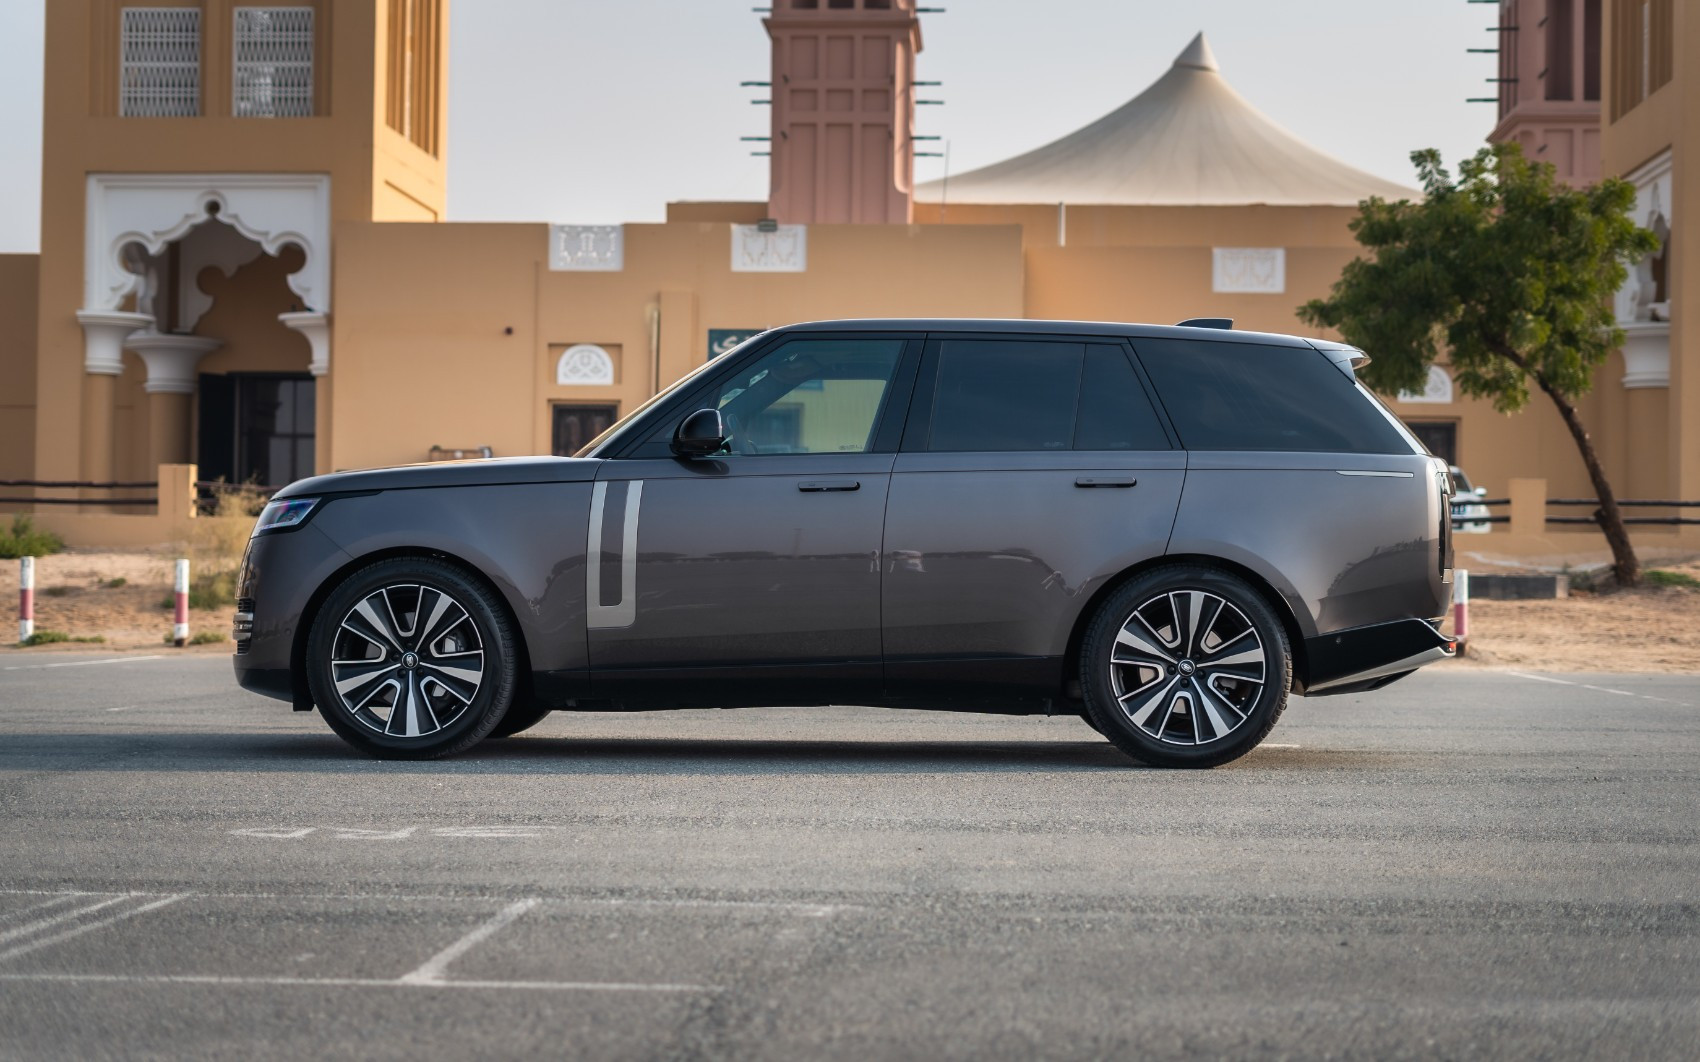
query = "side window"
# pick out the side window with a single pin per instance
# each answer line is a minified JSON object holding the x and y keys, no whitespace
{"x":1115,"y":413}
{"x":1005,"y":395}
{"x":1249,"y":396}
{"x":810,"y":396}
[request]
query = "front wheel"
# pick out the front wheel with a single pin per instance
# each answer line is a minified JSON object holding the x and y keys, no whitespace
{"x":1185,"y":666}
{"x":411,"y":658}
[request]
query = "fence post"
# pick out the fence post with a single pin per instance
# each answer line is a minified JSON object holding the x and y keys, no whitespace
{"x":1528,"y":506}
{"x":26,"y":598}
{"x":1460,"y":607}
{"x":180,"y":605}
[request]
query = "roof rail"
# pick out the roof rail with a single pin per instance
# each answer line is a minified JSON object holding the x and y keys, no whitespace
{"x":1207,"y":322}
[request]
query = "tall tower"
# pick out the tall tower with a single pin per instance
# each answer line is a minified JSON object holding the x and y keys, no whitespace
{"x":843,"y":111}
{"x":1549,"y":84}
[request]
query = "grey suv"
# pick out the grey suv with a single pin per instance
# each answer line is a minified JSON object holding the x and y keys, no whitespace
{"x":1164,"y":530}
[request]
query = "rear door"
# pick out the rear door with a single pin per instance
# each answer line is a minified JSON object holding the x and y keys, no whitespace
{"x":1032,"y":469}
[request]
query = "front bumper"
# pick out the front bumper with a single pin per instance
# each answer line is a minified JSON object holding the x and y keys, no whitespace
{"x":1365,"y":658}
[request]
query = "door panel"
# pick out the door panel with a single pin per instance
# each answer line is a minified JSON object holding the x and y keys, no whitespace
{"x":750,"y":574}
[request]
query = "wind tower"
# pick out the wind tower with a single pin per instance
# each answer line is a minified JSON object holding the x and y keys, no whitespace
{"x":843,"y":111}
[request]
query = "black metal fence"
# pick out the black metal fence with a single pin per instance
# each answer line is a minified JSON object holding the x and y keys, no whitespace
{"x":85,"y":485}
{"x":1593,"y":519}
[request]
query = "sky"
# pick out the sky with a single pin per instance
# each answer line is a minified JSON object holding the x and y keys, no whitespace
{"x":596,"y":112}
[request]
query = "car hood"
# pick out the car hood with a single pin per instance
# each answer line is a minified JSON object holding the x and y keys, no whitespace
{"x":485,"y":472}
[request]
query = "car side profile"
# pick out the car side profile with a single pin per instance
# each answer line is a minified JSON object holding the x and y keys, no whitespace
{"x":1164,"y":530}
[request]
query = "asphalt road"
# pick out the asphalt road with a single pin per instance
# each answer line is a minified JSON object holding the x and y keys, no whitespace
{"x":1470,"y":863}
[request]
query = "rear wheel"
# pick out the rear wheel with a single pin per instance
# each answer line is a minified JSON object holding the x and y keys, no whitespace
{"x":1185,"y":666}
{"x":412,"y":658}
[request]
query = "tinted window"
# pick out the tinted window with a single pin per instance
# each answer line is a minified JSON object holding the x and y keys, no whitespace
{"x":1247,"y":396}
{"x":810,"y":396}
{"x":1006,"y":395}
{"x":1114,"y":412}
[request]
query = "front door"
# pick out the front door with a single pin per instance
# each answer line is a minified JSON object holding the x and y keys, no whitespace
{"x":754,"y":572}
{"x":1033,"y":469}
{"x":575,"y":424}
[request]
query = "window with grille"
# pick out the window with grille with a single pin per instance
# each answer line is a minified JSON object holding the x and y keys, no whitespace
{"x":273,"y":62}
{"x":159,"y":62}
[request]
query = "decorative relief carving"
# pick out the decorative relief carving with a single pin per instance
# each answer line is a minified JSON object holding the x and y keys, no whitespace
{"x":784,"y":250}
{"x":1249,"y":270}
{"x":1437,"y":390}
{"x":587,"y":248}
{"x":584,"y":364}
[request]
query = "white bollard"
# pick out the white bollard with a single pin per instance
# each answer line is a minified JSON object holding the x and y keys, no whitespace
{"x":1460,"y":606}
{"x":180,"y":615}
{"x":26,"y":598}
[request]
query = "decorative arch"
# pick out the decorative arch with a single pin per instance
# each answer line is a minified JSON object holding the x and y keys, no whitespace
{"x":151,"y":210}
{"x":1437,"y":389}
{"x":582,"y":364}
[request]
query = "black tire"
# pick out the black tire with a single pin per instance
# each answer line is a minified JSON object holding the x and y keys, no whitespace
{"x":1178,"y":689}
{"x":449,"y":712}
{"x":520,"y":718}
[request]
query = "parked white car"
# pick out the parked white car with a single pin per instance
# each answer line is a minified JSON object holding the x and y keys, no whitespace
{"x":1469,"y":516}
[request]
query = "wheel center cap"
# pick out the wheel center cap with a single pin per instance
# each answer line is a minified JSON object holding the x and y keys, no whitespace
{"x":410,"y":660}
{"x":1185,"y":667}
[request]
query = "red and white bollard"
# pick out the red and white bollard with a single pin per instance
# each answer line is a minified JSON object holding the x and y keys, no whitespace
{"x":1460,"y":606}
{"x":180,"y":614}
{"x":26,"y":598}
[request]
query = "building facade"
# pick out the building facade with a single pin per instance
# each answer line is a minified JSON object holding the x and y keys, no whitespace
{"x":244,"y":264}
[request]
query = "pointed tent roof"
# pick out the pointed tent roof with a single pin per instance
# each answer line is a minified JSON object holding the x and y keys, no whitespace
{"x":1188,"y":140}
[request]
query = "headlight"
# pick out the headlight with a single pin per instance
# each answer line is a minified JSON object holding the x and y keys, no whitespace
{"x":284,"y":514}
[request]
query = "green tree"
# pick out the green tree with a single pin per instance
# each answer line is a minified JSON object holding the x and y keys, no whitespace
{"x":1509,"y":272}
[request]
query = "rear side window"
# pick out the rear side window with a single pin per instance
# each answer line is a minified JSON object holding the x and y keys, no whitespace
{"x":1249,"y":396}
{"x":1003,"y":395}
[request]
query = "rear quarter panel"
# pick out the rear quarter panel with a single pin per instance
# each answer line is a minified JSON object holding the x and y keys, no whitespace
{"x":1343,"y":550}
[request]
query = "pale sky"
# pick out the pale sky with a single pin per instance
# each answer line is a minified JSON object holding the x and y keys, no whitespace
{"x":597,"y":111}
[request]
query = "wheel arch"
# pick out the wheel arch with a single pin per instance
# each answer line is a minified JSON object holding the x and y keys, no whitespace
{"x":1276,"y":602}
{"x":303,"y":698}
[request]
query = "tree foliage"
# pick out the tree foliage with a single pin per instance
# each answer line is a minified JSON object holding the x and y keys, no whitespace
{"x":1505,"y":271}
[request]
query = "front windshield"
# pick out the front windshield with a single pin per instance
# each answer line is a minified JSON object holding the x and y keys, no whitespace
{"x":589,"y":449}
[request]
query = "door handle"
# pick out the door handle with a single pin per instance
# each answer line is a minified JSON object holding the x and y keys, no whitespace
{"x":1105,"y":481}
{"x":816,"y":486}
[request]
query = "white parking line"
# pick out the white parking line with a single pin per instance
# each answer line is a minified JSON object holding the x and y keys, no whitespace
{"x":1541,"y":678}
{"x":54,"y":902}
{"x":355,"y":982}
{"x":432,"y":972}
{"x":29,"y":946}
{"x":82,"y":663}
{"x":807,"y":910}
{"x":64,"y":916}
{"x":1603,"y":689}
{"x":1599,"y":689}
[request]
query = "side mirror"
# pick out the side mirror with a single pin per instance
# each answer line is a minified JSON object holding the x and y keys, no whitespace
{"x":700,"y":434}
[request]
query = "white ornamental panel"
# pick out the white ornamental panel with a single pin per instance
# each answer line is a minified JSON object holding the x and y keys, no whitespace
{"x":587,"y":248}
{"x":584,"y":364}
{"x":1436,"y":390}
{"x":783,"y":250}
{"x":1249,"y":270}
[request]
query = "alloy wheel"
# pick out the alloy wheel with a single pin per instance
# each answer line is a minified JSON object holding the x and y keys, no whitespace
{"x":407,"y":660}
{"x":1187,"y":667}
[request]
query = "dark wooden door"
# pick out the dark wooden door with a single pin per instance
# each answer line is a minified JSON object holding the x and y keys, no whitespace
{"x":576,"y":425}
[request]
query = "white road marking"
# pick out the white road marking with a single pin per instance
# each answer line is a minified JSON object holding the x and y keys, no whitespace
{"x":347,"y":833}
{"x":1276,"y":745}
{"x":432,"y":972}
{"x":808,"y":910}
{"x":275,"y":834}
{"x":356,"y":982}
{"x":63,"y":916}
{"x":54,"y":902}
{"x":33,"y":945}
{"x":121,"y":708}
{"x":1603,"y":689}
{"x":82,"y":663}
{"x":1541,"y":678}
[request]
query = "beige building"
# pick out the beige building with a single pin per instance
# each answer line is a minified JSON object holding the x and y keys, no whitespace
{"x":244,"y":265}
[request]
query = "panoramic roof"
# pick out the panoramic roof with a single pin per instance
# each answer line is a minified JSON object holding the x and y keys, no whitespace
{"x":1188,"y":140}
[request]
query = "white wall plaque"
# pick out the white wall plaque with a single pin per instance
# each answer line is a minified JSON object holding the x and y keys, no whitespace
{"x":587,"y":248}
{"x":1437,"y":390}
{"x":784,"y":250}
{"x":1249,"y":270}
{"x":584,"y":363}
